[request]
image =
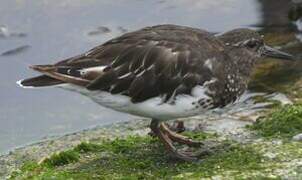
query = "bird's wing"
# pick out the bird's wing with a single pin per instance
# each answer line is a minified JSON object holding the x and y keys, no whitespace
{"x":157,"y":61}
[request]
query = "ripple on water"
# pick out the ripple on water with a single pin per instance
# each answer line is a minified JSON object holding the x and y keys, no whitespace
{"x":15,"y":51}
{"x":6,"y":33}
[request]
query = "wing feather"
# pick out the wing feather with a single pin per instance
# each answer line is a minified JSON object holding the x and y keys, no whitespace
{"x":161,"y":61}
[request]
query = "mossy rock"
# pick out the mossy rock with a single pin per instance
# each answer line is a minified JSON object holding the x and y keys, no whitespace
{"x":139,"y":158}
{"x":284,"y":122}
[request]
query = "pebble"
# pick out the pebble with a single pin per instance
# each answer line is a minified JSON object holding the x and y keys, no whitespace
{"x":298,"y":137}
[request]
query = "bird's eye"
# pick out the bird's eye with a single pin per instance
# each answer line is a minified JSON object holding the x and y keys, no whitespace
{"x":252,"y":44}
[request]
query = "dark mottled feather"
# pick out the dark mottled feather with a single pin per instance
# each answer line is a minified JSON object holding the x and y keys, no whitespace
{"x":164,"y":60}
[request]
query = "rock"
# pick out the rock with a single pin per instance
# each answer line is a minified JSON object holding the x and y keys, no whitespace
{"x":298,"y":137}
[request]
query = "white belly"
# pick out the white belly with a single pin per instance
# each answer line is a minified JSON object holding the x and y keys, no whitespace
{"x":183,"y":106}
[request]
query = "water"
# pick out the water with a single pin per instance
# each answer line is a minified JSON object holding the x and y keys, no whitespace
{"x":39,"y":32}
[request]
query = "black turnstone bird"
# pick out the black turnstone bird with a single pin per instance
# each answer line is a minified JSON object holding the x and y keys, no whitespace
{"x":162,"y":72}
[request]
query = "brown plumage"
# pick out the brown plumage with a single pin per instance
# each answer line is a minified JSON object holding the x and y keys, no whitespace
{"x":161,"y":60}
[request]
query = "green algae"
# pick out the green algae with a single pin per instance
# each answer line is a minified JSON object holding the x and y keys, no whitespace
{"x":85,"y":147}
{"x":62,"y":158}
{"x":144,"y":157}
{"x":138,"y":157}
{"x":283,"y":122}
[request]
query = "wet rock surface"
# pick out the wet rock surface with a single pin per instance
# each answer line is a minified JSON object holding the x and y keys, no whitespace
{"x":219,"y":128}
{"x":274,"y":158}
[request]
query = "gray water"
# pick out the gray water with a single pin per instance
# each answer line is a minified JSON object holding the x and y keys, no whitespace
{"x":45,"y":31}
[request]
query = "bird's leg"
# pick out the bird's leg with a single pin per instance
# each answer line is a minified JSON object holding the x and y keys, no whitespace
{"x":179,"y":138}
{"x":177,"y":126}
{"x":155,"y":127}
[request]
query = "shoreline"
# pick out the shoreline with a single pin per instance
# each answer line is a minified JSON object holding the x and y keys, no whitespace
{"x":223,"y":125}
{"x":37,"y":151}
{"x":235,"y":145}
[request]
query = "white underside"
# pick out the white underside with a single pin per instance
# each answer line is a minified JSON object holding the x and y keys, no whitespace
{"x":151,"y":108}
{"x":182,"y":106}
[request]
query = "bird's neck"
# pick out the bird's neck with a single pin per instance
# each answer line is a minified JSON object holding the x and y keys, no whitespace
{"x":243,"y":61}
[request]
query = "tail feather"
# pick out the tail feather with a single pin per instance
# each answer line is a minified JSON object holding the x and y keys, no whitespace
{"x":39,"y":81}
{"x":51,"y":71}
{"x":54,"y":75}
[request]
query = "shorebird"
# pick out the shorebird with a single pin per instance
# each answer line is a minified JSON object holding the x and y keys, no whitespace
{"x":162,"y":72}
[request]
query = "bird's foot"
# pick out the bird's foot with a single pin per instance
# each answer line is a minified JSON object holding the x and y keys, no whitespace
{"x":168,"y":137}
{"x":176,"y":127}
{"x":179,"y":154}
{"x":179,"y":138}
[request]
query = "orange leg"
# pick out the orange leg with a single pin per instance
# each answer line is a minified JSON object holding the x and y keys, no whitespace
{"x":164,"y":135}
{"x":179,"y":138}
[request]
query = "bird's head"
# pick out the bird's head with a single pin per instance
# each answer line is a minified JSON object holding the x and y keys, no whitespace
{"x":253,"y":44}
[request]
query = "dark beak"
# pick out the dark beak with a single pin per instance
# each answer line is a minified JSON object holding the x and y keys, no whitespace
{"x":275,"y":53}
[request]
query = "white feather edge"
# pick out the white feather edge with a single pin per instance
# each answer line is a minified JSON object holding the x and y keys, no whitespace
{"x":99,"y":68}
{"x":19,"y":83}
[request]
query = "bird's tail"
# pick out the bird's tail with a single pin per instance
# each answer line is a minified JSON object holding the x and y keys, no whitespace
{"x":38,"y":81}
{"x":55,"y":75}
